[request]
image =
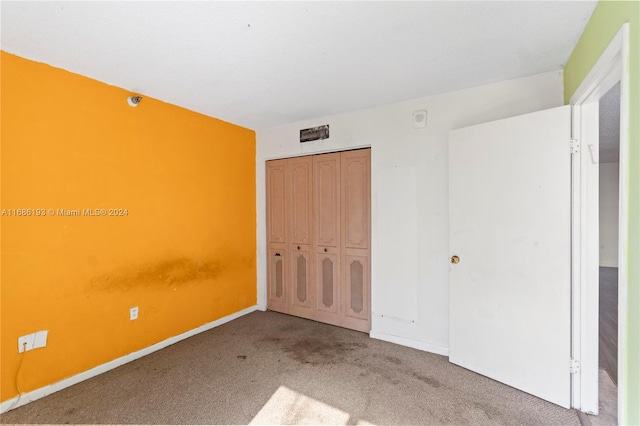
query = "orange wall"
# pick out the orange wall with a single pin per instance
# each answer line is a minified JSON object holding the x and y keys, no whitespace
{"x":185,"y":253}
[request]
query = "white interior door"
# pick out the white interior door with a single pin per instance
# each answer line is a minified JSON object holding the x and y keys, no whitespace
{"x":510,"y":225}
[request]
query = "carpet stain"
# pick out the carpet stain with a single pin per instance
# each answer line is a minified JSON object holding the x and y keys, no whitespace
{"x":162,"y":370}
{"x":314,"y":351}
{"x":289,"y":326}
{"x":428,"y":380}
{"x":491,"y":412}
{"x":393,"y":359}
{"x":388,"y":358}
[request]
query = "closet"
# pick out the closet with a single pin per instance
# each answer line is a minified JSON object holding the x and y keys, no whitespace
{"x":318,"y":237}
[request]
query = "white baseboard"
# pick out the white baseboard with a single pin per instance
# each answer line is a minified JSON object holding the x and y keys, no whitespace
{"x":70,"y":381}
{"x":415,"y":344}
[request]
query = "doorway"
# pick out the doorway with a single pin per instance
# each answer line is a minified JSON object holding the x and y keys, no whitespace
{"x":609,"y":200}
{"x":595,"y":174}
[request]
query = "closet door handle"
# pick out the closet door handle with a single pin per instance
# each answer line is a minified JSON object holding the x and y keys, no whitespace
{"x":325,"y":250}
{"x":298,"y":247}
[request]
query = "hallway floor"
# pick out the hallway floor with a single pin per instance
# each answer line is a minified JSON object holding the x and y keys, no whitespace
{"x":609,"y":322}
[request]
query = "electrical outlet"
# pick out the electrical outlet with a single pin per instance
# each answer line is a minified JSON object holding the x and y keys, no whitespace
{"x":25,"y":343}
{"x":32,"y":341}
{"x":133,"y":313}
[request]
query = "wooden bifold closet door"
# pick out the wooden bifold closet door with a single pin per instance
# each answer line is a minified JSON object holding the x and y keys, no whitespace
{"x":277,"y":235}
{"x":326,"y":173}
{"x":300,"y":193}
{"x":318,"y":237}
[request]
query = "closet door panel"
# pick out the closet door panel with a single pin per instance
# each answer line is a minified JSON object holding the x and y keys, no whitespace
{"x":355,"y":182}
{"x":277,"y":235}
{"x":355,"y":288}
{"x":326,"y":172}
{"x":326,"y":187}
{"x":277,"y":280}
{"x":328,"y":291}
{"x":355,"y":293}
{"x":276,"y":201}
{"x":301,"y":292}
{"x":301,"y":195}
{"x":301,"y":280}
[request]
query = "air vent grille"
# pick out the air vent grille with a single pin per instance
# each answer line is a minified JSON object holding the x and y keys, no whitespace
{"x":314,"y":133}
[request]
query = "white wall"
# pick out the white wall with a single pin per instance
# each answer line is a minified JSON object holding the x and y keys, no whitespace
{"x":609,"y":185}
{"x":410,"y":294}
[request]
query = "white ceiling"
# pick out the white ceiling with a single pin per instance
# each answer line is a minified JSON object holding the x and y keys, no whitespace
{"x":263,"y":64}
{"x":610,"y":126}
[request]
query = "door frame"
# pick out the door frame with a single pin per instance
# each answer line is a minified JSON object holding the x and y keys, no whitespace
{"x":611,"y":67}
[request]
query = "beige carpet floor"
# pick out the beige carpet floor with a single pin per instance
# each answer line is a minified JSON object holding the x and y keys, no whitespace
{"x":271,"y":368}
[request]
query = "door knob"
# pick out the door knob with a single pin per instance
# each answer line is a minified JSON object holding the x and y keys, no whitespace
{"x":325,"y":250}
{"x":455,"y":259}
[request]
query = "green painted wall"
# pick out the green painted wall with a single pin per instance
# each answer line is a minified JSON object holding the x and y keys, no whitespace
{"x":605,"y":22}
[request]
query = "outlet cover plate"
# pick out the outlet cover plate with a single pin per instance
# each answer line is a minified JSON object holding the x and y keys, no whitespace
{"x":133,"y":313}
{"x":32,"y":341}
{"x":40,"y":340}
{"x":25,"y":343}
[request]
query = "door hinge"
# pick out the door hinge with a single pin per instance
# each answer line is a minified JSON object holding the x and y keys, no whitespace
{"x":574,"y":366}
{"x":574,"y":145}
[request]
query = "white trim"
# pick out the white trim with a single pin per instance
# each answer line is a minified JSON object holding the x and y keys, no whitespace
{"x":588,"y":254}
{"x":576,"y":265}
{"x":70,"y":381}
{"x":611,"y":67}
{"x":605,"y":73}
{"x":415,"y":344}
{"x":623,"y":227}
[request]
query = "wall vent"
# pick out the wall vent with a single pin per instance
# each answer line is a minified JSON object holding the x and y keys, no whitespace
{"x":314,"y":133}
